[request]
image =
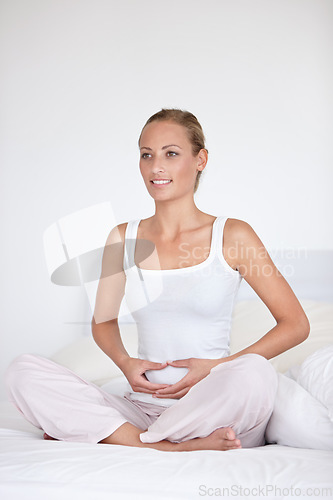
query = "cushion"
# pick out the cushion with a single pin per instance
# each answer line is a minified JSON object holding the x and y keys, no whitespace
{"x":117,"y":385}
{"x":251,"y":320}
{"x":87,"y":360}
{"x":316,"y":376}
{"x":302,"y":414}
{"x":299,"y":419}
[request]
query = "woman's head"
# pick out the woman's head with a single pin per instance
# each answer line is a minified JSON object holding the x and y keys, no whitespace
{"x":193,"y":129}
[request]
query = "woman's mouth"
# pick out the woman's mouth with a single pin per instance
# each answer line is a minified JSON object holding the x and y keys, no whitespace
{"x":161,"y":182}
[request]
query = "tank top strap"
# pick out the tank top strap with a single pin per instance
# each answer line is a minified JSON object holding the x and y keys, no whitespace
{"x":217,"y":236}
{"x":130,"y":241}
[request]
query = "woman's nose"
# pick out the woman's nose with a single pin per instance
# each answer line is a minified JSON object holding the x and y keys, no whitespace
{"x":157,"y":166}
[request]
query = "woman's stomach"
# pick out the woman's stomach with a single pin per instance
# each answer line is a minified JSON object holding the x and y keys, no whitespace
{"x":168,"y":375}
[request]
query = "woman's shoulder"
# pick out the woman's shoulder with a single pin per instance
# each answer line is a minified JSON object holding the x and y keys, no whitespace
{"x":117,"y":234}
{"x":237,"y":235}
{"x":121,"y":228}
{"x":237,"y":231}
{"x":236,"y":227}
{"x":240,"y":234}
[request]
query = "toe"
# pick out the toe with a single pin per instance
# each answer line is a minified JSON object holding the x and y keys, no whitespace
{"x":230,"y":433}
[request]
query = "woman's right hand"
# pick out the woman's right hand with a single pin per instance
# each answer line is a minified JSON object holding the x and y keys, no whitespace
{"x":134,"y":370}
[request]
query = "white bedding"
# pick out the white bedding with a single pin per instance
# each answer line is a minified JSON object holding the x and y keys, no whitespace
{"x":31,"y":468}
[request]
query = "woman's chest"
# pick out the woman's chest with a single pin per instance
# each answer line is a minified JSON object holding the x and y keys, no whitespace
{"x":152,"y":252}
{"x":175,"y":254}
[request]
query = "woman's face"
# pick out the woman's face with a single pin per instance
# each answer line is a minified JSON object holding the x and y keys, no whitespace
{"x":167,"y":164}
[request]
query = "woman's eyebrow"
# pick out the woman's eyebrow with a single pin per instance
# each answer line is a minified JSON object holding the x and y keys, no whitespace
{"x":164,"y":147}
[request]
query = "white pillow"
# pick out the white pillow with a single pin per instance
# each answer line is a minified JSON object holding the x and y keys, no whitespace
{"x":316,"y":376}
{"x":299,"y":419}
{"x":252,"y":319}
{"x":117,"y":385}
{"x":87,"y":360}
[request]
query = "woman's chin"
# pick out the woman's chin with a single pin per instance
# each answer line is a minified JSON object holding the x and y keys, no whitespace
{"x":168,"y":375}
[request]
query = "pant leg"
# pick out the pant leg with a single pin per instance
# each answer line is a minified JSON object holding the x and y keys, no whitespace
{"x":65,"y":406}
{"x":238,"y":394}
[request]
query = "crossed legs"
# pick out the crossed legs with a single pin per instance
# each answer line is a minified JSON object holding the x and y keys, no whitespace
{"x":228,"y":409}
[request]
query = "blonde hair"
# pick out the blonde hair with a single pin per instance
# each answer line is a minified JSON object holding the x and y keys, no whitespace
{"x":189,"y":121}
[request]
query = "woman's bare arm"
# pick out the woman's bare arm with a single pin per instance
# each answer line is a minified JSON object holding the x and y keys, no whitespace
{"x":259,"y":271}
{"x":110,"y":292}
{"x":104,"y":325}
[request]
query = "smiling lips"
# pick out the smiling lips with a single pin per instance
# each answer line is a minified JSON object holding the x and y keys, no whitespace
{"x":161,"y":182}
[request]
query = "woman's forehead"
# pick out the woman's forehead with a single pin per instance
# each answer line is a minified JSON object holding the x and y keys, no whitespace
{"x":162,"y":132}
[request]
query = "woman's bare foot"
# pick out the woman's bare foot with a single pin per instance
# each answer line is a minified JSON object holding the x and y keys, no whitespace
{"x":47,"y":437}
{"x":221,"y":439}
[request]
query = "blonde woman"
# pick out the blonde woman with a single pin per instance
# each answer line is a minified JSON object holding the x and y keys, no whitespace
{"x":180,"y":271}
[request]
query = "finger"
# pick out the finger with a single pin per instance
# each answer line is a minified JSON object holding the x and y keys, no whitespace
{"x":177,"y":395}
{"x":149,"y":386}
{"x":151,"y":365}
{"x":179,"y":363}
{"x":178,"y":386}
{"x":138,"y":388}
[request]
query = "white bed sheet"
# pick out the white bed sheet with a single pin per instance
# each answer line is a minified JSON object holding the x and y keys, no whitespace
{"x":31,"y":468}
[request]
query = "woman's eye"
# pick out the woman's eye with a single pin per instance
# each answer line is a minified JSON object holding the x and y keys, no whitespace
{"x":172,"y":153}
{"x":145,"y":155}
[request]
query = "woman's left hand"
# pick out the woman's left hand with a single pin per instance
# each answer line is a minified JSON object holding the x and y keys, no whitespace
{"x":197,"y":370}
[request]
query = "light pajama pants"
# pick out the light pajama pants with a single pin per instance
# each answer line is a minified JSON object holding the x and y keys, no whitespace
{"x":238,"y":394}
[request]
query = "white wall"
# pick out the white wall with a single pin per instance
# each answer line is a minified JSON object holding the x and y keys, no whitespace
{"x":80,"y":78}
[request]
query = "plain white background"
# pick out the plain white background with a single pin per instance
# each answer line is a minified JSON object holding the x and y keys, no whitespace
{"x":81,"y":77}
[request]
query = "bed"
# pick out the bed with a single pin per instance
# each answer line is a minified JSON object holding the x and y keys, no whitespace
{"x":32,"y":468}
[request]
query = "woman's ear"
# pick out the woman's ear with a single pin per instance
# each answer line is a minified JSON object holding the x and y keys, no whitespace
{"x":202,"y":159}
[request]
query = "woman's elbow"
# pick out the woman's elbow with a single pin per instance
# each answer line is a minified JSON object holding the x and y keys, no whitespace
{"x":302,"y":328}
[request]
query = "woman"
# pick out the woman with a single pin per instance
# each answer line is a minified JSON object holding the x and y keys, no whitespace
{"x":181,"y":269}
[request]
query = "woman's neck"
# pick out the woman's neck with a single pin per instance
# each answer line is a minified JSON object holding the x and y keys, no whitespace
{"x":173,"y":217}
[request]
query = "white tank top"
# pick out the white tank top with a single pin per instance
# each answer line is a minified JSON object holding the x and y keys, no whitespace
{"x":180,"y":313}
